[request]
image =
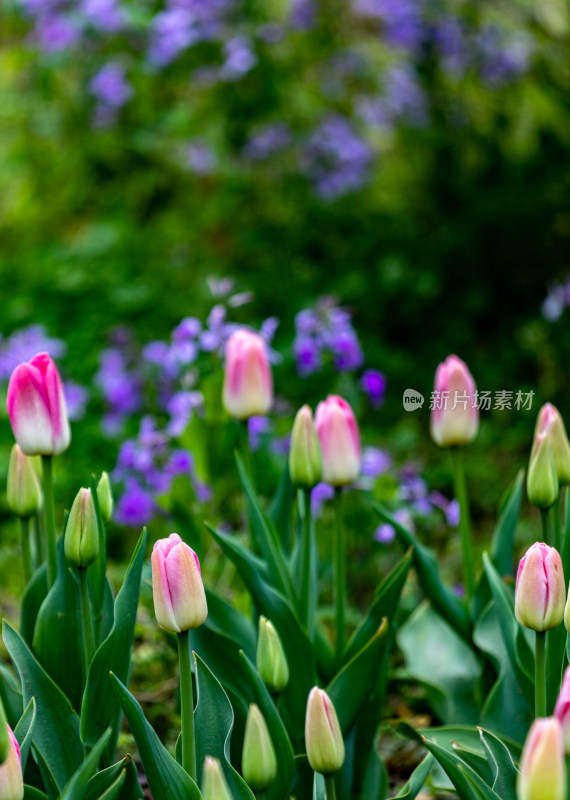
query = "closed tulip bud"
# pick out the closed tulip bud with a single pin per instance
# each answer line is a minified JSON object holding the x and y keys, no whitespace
{"x":11,"y":780}
{"x":36,"y":407}
{"x":178,"y":591}
{"x":323,"y":737}
{"x":550,"y":422}
{"x":305,"y":462}
{"x":542,"y":480}
{"x":24,"y":493}
{"x":81,"y":544}
{"x":542,"y":773}
{"x":540,"y":591}
{"x":455,"y":417}
{"x":259,"y":762}
{"x":105,"y":497}
{"x":248,"y":382}
{"x":562,"y":710}
{"x":339,"y":439}
{"x":271,"y":661}
{"x":214,"y":784}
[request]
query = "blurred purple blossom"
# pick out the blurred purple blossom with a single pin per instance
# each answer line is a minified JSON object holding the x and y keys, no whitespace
{"x":76,"y":399}
{"x":256,"y":428}
{"x":24,"y":344}
{"x":136,"y":506}
{"x":110,"y":86}
{"x":106,"y":15}
{"x":557,"y":299}
{"x":120,"y":386}
{"x":373,"y":383}
{"x":200,"y":158}
{"x":325,"y":331}
{"x":184,"y":23}
{"x":55,"y":32}
{"x":503,"y":56}
{"x":303,"y":14}
{"x":375,"y":462}
{"x":239,"y":58}
{"x":401,"y":20}
{"x":320,"y":494}
{"x":448,"y":35}
{"x":403,"y":100}
{"x":265,"y":140}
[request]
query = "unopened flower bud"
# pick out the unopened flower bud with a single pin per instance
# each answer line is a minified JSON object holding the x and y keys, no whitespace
{"x":271,"y":661}
{"x":540,"y":591}
{"x":11,"y":779}
{"x":24,"y":492}
{"x":542,"y":480}
{"x":305,"y":461}
{"x":454,"y":420}
{"x":105,"y":497}
{"x":562,"y":710}
{"x":248,"y":382}
{"x":214,"y":784}
{"x":550,"y":422}
{"x":259,"y":762}
{"x":339,"y":438}
{"x":81,"y":543}
{"x":542,"y":773}
{"x":323,"y":737}
{"x":178,"y":591}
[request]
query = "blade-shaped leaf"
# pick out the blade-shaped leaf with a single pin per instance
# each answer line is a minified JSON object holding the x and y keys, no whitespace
{"x":34,"y":595}
{"x":75,"y":789}
{"x":504,"y":535}
{"x":319,"y":788}
{"x":280,"y":508}
{"x":24,"y":731}
{"x":416,"y":780}
{"x":107,"y":778}
{"x":502,"y":766}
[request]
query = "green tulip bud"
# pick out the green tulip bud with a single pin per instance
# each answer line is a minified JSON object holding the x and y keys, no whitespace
{"x":271,"y":661}
{"x":81,"y":543}
{"x":105,"y":497}
{"x":542,"y":481}
{"x":549,"y":421}
{"x":214,"y":784}
{"x":259,"y":762}
{"x":323,"y":737}
{"x":24,"y":492}
{"x":305,"y":460}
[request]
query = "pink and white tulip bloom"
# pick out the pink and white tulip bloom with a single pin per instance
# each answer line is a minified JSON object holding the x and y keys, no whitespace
{"x":562,"y":709}
{"x":550,"y":423}
{"x":178,"y":591}
{"x":542,"y":773}
{"x":323,"y":737}
{"x":540,"y":592}
{"x":454,"y":419}
{"x":36,"y":407}
{"x":11,"y":780}
{"x":248,"y":381}
{"x":339,"y":438}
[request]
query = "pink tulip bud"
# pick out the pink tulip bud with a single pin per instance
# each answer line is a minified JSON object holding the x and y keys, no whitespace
{"x":339,"y":439}
{"x":562,"y":709}
{"x":323,"y":737}
{"x":454,"y":420}
{"x":11,"y":780}
{"x":248,"y":383}
{"x":550,"y":422}
{"x":178,"y":591}
{"x":540,"y":591}
{"x":36,"y":407}
{"x":542,"y":773}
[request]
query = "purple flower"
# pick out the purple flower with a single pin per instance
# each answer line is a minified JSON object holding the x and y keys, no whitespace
{"x":320,"y":494}
{"x":401,"y":20}
{"x":56,"y":33}
{"x":449,"y":38}
{"x":375,"y":462}
{"x":307,"y":355}
{"x":239,"y":58}
{"x":303,"y":14}
{"x":452,"y":514}
{"x":110,"y":87}
{"x":385,"y":534}
{"x":200,"y":158}
{"x":189,"y":328}
{"x":265,"y":140}
{"x":326,"y":330}
{"x":181,"y":406}
{"x":121,"y":388}
{"x":347,"y":351}
{"x":105,"y":15}
{"x":403,"y":99}
{"x":76,"y":399}
{"x":23,"y":344}
{"x":135,"y":507}
{"x":373,"y":383}
{"x":256,"y":427}
{"x":503,"y":58}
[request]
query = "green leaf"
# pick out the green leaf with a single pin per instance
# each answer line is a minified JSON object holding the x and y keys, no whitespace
{"x":24,"y":731}
{"x":101,"y":708}
{"x":34,"y":595}
{"x":32,"y":793}
{"x":97,"y":571}
{"x":502,"y":543}
{"x":56,"y":730}
{"x":103,"y":781}
{"x":116,"y":789}
{"x":75,"y":789}
{"x":502,"y":765}
{"x":416,"y":781}
{"x":166,"y":778}
{"x":214,"y":720}
{"x":352,"y":686}
{"x":319,"y":788}
{"x":443,"y":599}
{"x":11,"y":696}
{"x":256,"y":692}
{"x":280,"y":509}
{"x":58,"y":631}
{"x":225,"y":618}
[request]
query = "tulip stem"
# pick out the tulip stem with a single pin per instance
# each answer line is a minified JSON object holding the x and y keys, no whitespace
{"x":186,"y":705}
{"x":244,"y":447}
{"x":330,"y":787}
{"x":464,"y":526}
{"x":546,"y":527}
{"x":540,"y":676}
{"x":38,"y":536}
{"x":555,"y":514}
{"x":87,"y":622}
{"x":339,"y":574}
{"x":307,"y":615}
{"x":49,"y":512}
{"x":26,"y":548}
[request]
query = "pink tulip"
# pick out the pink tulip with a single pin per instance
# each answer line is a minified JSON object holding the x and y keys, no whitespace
{"x":36,"y":407}
{"x":339,"y":439}
{"x":562,"y":709}
{"x":248,"y":383}
{"x":11,"y":781}
{"x":454,"y":420}
{"x":542,"y":773}
{"x":178,"y":591}
{"x":550,"y":423}
{"x":540,"y":591}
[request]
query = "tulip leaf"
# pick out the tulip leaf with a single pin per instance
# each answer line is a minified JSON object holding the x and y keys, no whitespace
{"x":502,"y":766}
{"x":75,"y":789}
{"x":280,"y":509}
{"x":105,"y":780}
{"x":416,"y":780}
{"x":166,"y":778}
{"x":101,"y":708}
{"x":32,"y":793}
{"x":214,"y":720}
{"x":352,"y":686}
{"x":319,"y":787}
{"x":225,"y":618}
{"x":24,"y":731}
{"x":442,"y":598}
{"x":34,"y":595}
{"x":97,"y":577}
{"x":58,"y":632}
{"x":11,"y":696}
{"x":256,"y":692}
{"x":56,"y":731}
{"x":116,"y":789}
{"x":266,"y":537}
{"x":502,"y":543}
